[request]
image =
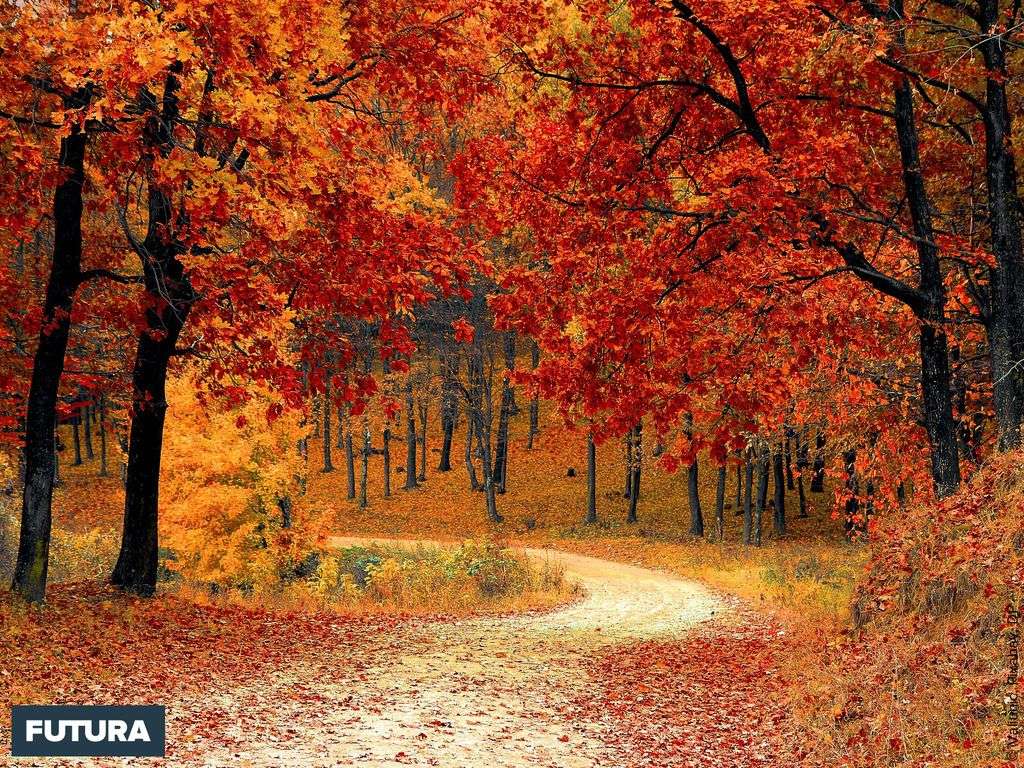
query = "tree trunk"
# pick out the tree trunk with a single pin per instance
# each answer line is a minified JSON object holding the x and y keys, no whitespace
{"x":1006,"y":335}
{"x":47,"y":368}
{"x":90,"y":414}
{"x":488,"y":472}
{"x":790,"y":436}
{"x":936,"y":388}
{"x":449,"y":415}
{"x":637,"y":462}
{"x":339,"y":439}
{"x":591,"y":480}
{"x":853,"y":487}
{"x":720,"y":505}
{"x":739,"y":489}
{"x":350,"y":460}
{"x":696,"y":514}
{"x":387,"y":462}
{"x":474,"y":483}
{"x":748,"y":512}
{"x":779,"y":484}
{"x":762,"y":495}
{"x":818,"y":470}
{"x":423,"y":405}
{"x":535,"y":400}
{"x":103,"y":436}
{"x":326,"y":433}
{"x":76,"y":437}
{"x":504,"y":415}
{"x":170,"y":299}
{"x":628,"y":492}
{"x":365,"y":464}
{"x":136,"y":566}
{"x":410,"y":438}
{"x":57,"y":448}
{"x":803,"y":460}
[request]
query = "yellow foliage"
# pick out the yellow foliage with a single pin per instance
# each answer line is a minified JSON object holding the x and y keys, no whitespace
{"x":228,"y":477}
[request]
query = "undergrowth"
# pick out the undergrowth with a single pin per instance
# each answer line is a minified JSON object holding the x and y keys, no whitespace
{"x":925,"y":676}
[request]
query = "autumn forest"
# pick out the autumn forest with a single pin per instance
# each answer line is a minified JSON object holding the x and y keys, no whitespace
{"x":627,"y":383}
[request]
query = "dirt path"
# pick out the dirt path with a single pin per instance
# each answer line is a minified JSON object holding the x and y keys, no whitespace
{"x":485,"y":692}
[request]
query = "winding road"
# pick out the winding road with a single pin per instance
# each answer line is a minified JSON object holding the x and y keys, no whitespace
{"x":483,"y":692}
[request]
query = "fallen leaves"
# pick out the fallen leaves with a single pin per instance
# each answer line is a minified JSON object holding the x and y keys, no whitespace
{"x":713,"y":699}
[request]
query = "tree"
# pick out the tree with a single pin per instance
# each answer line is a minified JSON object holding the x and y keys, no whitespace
{"x":591,"y":480}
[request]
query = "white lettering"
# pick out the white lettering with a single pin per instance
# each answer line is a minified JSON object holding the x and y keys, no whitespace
{"x":91,"y":730}
{"x":139,"y":732}
{"x":101,"y":731}
{"x":33,"y":728}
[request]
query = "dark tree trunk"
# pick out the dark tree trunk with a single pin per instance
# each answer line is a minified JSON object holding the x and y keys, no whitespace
{"x":481,"y":408}
{"x":484,"y":445}
{"x":637,"y":462}
{"x":936,"y":386}
{"x":628,"y":491}
{"x":350,"y":461}
{"x":387,"y":462}
{"x":504,"y":416}
{"x":103,"y":436}
{"x":326,"y":433}
{"x":410,"y":438}
{"x":136,"y":566}
{"x":449,"y":415}
{"x":696,"y":514}
{"x":818,"y":470}
{"x":739,"y":490}
{"x":57,"y":448}
{"x":779,"y":484}
{"x":474,"y":483}
{"x":762,"y":494}
{"x":853,"y":488}
{"x":170,"y":300}
{"x":790,"y":436}
{"x":339,"y":439}
{"x":803,"y":460}
{"x":90,"y":415}
{"x":76,"y":437}
{"x":748,"y":510}
{"x":535,"y":400}
{"x":1006,"y":324}
{"x":720,"y":505}
{"x":364,"y":464}
{"x":47,"y":367}
{"x":591,"y":480}
{"x":423,"y":404}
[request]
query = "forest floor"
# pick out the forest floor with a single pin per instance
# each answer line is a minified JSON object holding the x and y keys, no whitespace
{"x":646,"y":670}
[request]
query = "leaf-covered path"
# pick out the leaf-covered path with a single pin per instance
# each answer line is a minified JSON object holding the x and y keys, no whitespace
{"x":646,"y":670}
{"x":528,"y":690}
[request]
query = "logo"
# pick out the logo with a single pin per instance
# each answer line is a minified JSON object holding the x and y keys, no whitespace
{"x":66,"y":731}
